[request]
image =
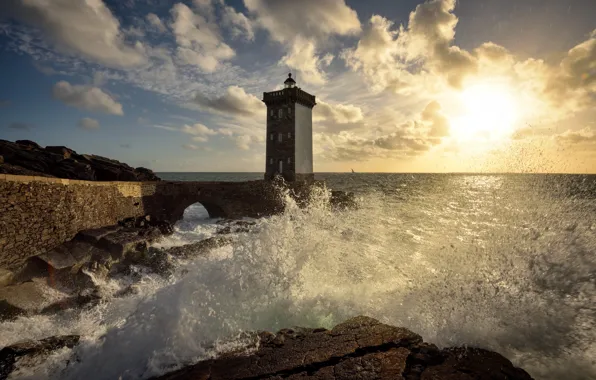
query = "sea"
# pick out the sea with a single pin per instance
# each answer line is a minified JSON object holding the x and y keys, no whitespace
{"x":505,"y":262}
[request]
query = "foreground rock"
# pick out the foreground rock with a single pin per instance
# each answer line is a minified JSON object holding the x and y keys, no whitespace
{"x":32,"y":350}
{"x":25,"y":157}
{"x":66,"y":277}
{"x":360,"y":348}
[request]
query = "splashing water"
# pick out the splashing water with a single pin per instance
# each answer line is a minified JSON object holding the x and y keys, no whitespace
{"x":501,"y":262}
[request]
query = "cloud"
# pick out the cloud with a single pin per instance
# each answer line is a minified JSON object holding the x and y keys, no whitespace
{"x":84,"y":28}
{"x":583,"y":136}
{"x":377,"y":57}
{"x":431,"y":30}
{"x":244,"y":141}
{"x":21,"y":126}
{"x":156,"y":22}
{"x":408,"y":139}
{"x":303,"y":32}
{"x":199,"y":41}
{"x":234,"y":102}
{"x":302,"y":56}
{"x":438,"y":125}
{"x":286,"y":19}
{"x":238,"y":25}
{"x":337,"y":113}
{"x":392,"y":58}
{"x":88,"y":124}
{"x":199,"y":132}
{"x":190,"y":147}
{"x":86,"y":97}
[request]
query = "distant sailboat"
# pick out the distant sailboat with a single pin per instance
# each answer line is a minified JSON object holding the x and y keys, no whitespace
{"x":353,"y":171}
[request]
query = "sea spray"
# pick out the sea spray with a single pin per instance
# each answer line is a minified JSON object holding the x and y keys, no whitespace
{"x":468,"y":267}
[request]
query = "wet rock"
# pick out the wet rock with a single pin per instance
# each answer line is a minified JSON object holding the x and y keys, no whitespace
{"x":6,"y":277}
{"x":360,"y":348}
{"x":19,"y":351}
{"x":9,"y":312}
{"x":199,"y":248}
{"x":85,"y":299}
{"x":155,"y":259}
{"x":92,"y":236}
{"x":119,"y":243}
{"x":235,"y":226}
{"x":28,"y":298}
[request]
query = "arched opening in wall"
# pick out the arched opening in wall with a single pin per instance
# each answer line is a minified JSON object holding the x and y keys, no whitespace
{"x":198,"y":215}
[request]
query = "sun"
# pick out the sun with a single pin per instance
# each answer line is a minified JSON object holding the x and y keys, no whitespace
{"x":489,"y":113}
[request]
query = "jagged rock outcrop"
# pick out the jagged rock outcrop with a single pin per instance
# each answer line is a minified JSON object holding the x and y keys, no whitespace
{"x":25,"y":157}
{"x":30,"y":349}
{"x":360,"y":348}
{"x":75,"y":266}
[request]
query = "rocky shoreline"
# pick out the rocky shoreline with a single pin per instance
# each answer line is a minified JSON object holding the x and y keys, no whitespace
{"x":25,"y":157}
{"x":359,"y":348}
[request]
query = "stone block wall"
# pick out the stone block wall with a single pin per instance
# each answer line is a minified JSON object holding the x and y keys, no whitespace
{"x":39,"y":213}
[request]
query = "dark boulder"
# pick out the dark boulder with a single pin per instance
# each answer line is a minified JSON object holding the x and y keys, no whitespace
{"x":360,"y":348}
{"x":199,"y":248}
{"x":144,"y":174}
{"x":26,"y":157}
{"x":9,"y":355}
{"x":71,"y":169}
{"x":28,"y":144}
{"x":61,"y":150}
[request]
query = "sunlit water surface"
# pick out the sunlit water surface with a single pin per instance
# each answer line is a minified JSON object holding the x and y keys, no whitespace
{"x":504,"y":262}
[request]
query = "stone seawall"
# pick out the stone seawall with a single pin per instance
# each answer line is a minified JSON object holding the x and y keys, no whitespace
{"x":39,"y":213}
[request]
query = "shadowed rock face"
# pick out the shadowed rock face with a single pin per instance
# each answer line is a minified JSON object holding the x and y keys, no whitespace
{"x":360,"y":348}
{"x":25,"y":157}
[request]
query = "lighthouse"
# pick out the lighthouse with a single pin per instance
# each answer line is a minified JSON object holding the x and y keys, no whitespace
{"x":289,"y":132}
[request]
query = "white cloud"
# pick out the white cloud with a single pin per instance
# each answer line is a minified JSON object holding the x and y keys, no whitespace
{"x":586,"y":136}
{"x":308,"y":18}
{"x":243,"y":142}
{"x":84,"y":28}
{"x":156,"y":22}
{"x":197,"y":130}
{"x":199,"y":41}
{"x":412,"y":138}
{"x":86,"y":97}
{"x":190,"y":147}
{"x":302,"y":32}
{"x":302,"y":56}
{"x":237,"y":23}
{"x":338,"y":113}
{"x":235,"y":101}
{"x":88,"y":124}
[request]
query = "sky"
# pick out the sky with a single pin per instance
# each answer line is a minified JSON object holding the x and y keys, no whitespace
{"x":401,"y":86}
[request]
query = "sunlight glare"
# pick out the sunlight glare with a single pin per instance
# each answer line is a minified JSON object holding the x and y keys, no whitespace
{"x":490,"y":113}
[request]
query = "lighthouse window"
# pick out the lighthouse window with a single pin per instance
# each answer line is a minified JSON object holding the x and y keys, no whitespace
{"x":289,"y":135}
{"x":289,"y":111}
{"x":281,"y":112}
{"x":271,"y":161}
{"x":272,"y":112}
{"x":271,"y":137}
{"x":289,"y":160}
{"x":279,"y":137}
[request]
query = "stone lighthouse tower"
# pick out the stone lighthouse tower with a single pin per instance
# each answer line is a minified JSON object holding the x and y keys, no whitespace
{"x":289,"y":132}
